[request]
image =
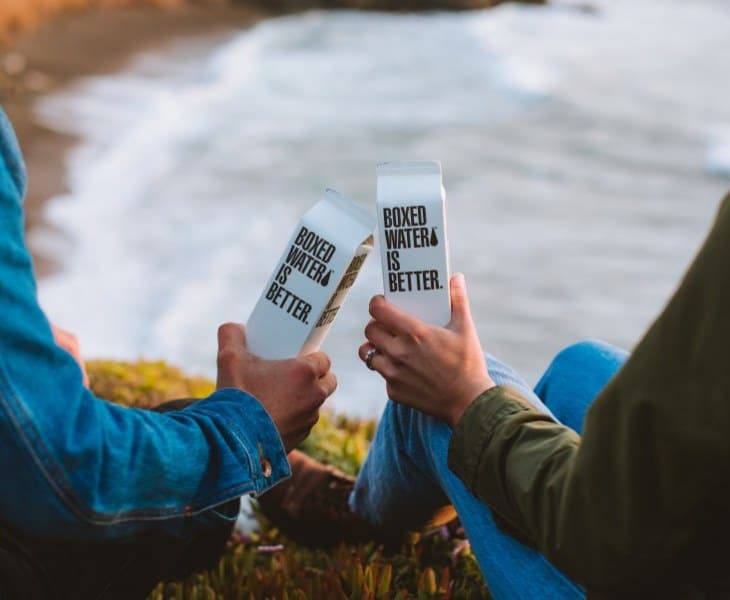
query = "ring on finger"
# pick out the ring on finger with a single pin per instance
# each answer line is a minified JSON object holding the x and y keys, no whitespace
{"x":369,"y":356}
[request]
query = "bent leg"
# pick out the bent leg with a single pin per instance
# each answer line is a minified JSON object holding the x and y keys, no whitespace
{"x":576,"y":376}
{"x":406,"y":478}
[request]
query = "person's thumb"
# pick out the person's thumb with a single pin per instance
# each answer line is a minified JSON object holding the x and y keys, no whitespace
{"x":233,"y":335}
{"x":460,"y":311}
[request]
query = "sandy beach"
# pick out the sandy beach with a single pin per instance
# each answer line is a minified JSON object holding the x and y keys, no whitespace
{"x":80,"y":44}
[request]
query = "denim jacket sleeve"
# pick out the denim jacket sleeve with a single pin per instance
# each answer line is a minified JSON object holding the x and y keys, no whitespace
{"x":74,"y":465}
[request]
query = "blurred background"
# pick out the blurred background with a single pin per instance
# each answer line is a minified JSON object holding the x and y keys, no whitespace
{"x":172,"y":148}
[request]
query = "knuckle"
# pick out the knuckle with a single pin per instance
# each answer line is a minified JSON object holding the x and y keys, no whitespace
{"x":227,"y":357}
{"x":326,"y":361}
{"x":398,"y":354}
{"x":391,"y":374}
{"x":303,"y":370}
{"x":320,"y":395}
{"x":328,"y":385}
{"x":417,"y":333}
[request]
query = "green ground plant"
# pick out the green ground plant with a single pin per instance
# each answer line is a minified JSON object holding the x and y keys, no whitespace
{"x":266,"y":565}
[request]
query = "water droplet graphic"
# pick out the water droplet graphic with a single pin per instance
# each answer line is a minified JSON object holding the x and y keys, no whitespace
{"x":326,"y":279}
{"x":434,"y":237}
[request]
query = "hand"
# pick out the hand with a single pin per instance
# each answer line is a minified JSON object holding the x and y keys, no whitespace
{"x":290,"y":390}
{"x":437,"y":370}
{"x":70,"y":343}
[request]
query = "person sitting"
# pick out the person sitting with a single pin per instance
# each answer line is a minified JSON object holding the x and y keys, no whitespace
{"x":610,"y":478}
{"x":100,"y":501}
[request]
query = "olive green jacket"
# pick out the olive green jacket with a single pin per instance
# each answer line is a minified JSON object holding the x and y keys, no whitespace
{"x":639,"y":506}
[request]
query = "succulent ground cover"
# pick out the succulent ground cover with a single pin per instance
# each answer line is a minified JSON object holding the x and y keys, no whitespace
{"x":265,"y":564}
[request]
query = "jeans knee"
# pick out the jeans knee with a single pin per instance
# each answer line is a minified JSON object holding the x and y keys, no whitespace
{"x":587,"y":352}
{"x":576,"y":376}
{"x":580,"y":349}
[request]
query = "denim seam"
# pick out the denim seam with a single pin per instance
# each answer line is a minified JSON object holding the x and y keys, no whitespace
{"x":236,"y":435}
{"x":220,"y":515}
{"x":258,"y":481}
{"x":54,"y":476}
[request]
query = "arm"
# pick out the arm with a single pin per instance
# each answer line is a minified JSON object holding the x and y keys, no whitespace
{"x":76,"y":466}
{"x":645,"y":487}
{"x":70,"y":343}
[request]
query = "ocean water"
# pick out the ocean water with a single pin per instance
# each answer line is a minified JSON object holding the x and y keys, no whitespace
{"x":585,"y":150}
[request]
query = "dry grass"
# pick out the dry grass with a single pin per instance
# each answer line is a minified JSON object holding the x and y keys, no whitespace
{"x":20,"y":15}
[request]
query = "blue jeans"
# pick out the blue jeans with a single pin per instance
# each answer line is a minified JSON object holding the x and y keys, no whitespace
{"x":406,"y":478}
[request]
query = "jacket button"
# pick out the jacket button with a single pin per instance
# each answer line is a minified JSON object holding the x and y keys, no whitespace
{"x":265,"y":467}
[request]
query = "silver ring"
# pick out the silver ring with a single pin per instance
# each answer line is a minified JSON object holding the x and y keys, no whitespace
{"x":369,"y":356}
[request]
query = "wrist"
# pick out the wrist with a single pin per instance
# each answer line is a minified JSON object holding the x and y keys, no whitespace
{"x":470,"y":395}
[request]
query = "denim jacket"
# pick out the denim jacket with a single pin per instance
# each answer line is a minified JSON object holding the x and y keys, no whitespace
{"x":73,"y":466}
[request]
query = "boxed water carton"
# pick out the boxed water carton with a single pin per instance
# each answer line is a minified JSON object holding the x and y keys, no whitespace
{"x":312,"y":279}
{"x":414,"y":249}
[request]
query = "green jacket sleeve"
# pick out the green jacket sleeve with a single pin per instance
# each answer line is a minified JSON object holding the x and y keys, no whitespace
{"x":643,"y":493}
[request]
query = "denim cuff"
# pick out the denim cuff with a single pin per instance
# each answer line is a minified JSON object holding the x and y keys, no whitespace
{"x":475,"y":429}
{"x":258,"y":444}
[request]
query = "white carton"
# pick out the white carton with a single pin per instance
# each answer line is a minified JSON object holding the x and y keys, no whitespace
{"x":414,"y":249}
{"x":312,"y":279}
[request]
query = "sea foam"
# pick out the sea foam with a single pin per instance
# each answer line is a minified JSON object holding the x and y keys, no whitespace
{"x":572,"y":144}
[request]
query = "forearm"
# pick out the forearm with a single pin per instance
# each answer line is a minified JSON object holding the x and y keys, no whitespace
{"x":79,"y":466}
{"x":632,"y":496}
{"x":581,"y":513}
{"x":515,"y":459}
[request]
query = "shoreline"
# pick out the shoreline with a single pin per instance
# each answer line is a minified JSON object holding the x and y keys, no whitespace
{"x":84,"y":44}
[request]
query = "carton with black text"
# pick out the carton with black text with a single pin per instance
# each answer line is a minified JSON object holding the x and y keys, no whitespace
{"x":414,"y":249}
{"x":312,"y":279}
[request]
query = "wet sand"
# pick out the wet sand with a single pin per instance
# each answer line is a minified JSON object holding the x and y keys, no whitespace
{"x":81,"y":44}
